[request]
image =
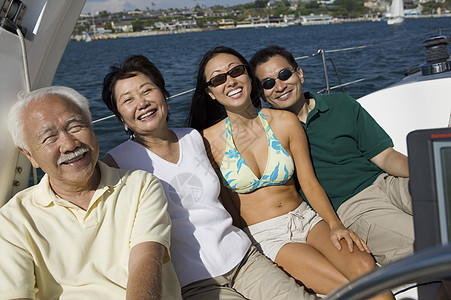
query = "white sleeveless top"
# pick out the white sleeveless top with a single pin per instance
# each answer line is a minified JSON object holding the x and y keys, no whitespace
{"x":204,"y":243}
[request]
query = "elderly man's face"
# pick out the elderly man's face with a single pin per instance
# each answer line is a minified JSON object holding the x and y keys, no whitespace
{"x":61,"y":141}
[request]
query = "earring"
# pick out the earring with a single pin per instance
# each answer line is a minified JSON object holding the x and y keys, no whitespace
{"x":130,"y":133}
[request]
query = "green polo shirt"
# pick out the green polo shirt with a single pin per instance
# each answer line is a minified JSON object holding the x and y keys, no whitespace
{"x":343,"y":137}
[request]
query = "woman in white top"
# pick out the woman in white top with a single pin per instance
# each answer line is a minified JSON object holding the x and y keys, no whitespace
{"x":213,"y":259}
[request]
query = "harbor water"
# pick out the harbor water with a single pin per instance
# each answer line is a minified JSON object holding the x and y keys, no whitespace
{"x":388,"y":52}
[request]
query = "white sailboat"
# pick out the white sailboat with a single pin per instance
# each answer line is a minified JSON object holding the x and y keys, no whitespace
{"x":396,"y":12}
{"x":87,"y":37}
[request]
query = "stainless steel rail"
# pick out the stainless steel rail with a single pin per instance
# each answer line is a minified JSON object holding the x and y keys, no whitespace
{"x":428,"y":264}
{"x":324,"y":58}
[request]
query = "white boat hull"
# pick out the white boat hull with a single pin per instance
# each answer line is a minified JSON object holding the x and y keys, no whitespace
{"x":12,"y":79}
{"x":49,"y":26}
{"x":396,"y":12}
{"x":411,"y":105}
{"x":394,"y":21}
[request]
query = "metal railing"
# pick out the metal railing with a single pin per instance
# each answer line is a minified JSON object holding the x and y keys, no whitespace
{"x":324,"y":57}
{"x":430,"y":263}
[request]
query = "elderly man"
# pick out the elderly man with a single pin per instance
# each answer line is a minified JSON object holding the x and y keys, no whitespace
{"x":365,"y":178}
{"x":86,"y":231}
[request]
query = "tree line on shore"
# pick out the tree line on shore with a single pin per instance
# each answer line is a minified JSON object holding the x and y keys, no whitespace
{"x":141,"y":19}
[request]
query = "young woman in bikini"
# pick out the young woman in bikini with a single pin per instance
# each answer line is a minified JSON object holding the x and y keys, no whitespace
{"x":256,"y":152}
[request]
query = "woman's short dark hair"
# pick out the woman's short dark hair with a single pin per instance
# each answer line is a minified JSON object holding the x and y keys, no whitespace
{"x":206,"y":112}
{"x":128,"y":69}
{"x":265,"y":54}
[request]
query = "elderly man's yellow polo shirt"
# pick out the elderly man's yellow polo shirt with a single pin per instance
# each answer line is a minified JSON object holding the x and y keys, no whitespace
{"x":52,"y":249}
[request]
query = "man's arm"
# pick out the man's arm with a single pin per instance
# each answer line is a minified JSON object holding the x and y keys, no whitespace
{"x":392,"y":162}
{"x":145,"y":271}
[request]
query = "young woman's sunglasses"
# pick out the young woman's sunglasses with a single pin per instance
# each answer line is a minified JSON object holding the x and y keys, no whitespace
{"x":221,"y":78}
{"x":269,"y":83}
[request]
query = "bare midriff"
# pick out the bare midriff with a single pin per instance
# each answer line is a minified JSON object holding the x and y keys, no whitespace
{"x":268,"y":202}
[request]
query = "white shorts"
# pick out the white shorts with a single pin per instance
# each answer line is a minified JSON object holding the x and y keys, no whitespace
{"x":293,"y":227}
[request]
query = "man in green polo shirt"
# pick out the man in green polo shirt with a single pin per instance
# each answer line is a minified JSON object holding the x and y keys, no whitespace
{"x":365,"y":178}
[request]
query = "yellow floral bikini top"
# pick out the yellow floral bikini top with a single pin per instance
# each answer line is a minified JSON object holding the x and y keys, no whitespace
{"x":239,"y":178}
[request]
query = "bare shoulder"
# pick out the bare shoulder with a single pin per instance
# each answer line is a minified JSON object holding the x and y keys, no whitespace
{"x":214,"y":140}
{"x":280,"y":120}
{"x":213,"y":132}
{"x":279,"y":116}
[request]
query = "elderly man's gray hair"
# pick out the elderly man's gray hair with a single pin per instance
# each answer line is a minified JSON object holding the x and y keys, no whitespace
{"x":15,"y":116}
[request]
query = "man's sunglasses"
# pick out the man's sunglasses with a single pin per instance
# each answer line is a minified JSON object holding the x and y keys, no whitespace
{"x":269,"y":83}
{"x":221,"y":78}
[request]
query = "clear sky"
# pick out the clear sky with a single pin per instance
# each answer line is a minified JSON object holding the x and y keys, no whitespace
{"x":94,"y":6}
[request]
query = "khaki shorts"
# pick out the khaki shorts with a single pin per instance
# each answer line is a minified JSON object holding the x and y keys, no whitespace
{"x":381,"y":215}
{"x":293,"y":227}
{"x":256,"y":277}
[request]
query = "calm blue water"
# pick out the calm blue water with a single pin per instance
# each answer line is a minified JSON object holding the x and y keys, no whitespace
{"x":394,"y":50}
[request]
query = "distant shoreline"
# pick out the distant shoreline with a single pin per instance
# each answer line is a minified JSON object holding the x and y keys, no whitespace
{"x":100,"y":36}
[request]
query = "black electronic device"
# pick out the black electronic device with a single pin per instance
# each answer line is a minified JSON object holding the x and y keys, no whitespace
{"x":429,"y":152}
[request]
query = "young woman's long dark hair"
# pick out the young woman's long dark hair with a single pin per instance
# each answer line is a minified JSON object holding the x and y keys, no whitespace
{"x":205,"y":111}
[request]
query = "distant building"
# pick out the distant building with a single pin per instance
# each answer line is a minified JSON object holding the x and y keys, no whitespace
{"x":226,"y":24}
{"x":186,"y":24}
{"x":412,"y":12}
{"x":122,"y":27}
{"x":316,"y":19}
{"x":176,"y":25}
{"x":209,"y":25}
{"x":376,"y":5}
{"x":289,"y":19}
{"x":325,"y":2}
{"x":135,"y":12}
